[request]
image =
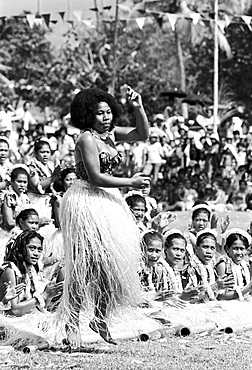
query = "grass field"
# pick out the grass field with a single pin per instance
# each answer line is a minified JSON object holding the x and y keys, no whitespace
{"x":216,"y":351}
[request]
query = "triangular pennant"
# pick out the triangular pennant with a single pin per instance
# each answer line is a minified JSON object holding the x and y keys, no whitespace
{"x":158,"y":18}
{"x":30,"y":18}
{"x":247,"y":20}
{"x":140,"y":22}
{"x":195,"y":18}
{"x":222,"y":25}
{"x":172,"y":19}
{"x":78,"y":14}
{"x":46,"y":19}
{"x":228,"y":20}
{"x":107,"y":7}
{"x":62,"y":14}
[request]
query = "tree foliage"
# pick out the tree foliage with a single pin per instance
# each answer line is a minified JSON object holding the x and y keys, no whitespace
{"x":146,"y":59}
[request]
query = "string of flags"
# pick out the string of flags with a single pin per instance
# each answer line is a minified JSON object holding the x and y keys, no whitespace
{"x":139,"y":16}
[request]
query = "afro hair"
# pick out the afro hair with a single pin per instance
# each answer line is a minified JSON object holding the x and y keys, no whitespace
{"x":85,"y":104}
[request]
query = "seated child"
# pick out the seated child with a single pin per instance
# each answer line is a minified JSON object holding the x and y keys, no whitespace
{"x":153,"y":275}
{"x":236,"y":246}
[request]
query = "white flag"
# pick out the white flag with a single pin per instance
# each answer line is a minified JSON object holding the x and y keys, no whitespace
{"x":140,"y":22}
{"x":172,"y":19}
{"x":195,"y":18}
{"x":247,"y":20}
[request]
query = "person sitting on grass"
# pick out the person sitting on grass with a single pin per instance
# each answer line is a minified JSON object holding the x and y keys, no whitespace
{"x":237,"y":244}
{"x":199,"y":271}
{"x":22,"y":267}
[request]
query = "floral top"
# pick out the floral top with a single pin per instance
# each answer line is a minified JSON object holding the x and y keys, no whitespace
{"x":107,"y":165}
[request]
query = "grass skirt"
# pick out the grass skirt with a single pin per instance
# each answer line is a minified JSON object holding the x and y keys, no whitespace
{"x":102,"y":250}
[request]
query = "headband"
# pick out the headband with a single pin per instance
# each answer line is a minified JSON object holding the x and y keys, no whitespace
{"x":239,"y":231}
{"x":212,"y":232}
{"x":201,"y":206}
{"x":21,"y":165}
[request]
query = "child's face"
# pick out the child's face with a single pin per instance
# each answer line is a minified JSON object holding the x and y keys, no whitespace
{"x":146,"y":191}
{"x":138,"y":211}
{"x":69,"y":180}
{"x":20,"y":184}
{"x":200,"y":221}
{"x":34,"y":249}
{"x":153,"y":252}
{"x":43,"y":154}
{"x":176,"y":252}
{"x":206,"y":250}
{"x":31,"y":223}
{"x":237,"y":251}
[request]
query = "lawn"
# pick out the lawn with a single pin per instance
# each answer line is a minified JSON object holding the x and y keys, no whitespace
{"x":200,"y":351}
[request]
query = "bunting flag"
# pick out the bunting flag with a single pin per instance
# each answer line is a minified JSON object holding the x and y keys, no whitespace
{"x":140,"y":22}
{"x":172,"y":19}
{"x":138,"y":14}
{"x":222,"y":25}
{"x":195,"y":18}
{"x":159,"y":19}
{"x":78,"y":15}
{"x":247,"y":20}
{"x":30,"y":19}
{"x":62,"y":14}
{"x":47,"y":19}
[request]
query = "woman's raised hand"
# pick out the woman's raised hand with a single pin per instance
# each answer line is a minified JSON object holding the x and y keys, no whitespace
{"x":133,"y":97}
{"x":140,"y":181}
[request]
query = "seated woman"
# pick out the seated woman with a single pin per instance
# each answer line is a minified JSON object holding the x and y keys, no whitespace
{"x":155,"y":274}
{"x":236,"y":246}
{"x":175,"y":250}
{"x":22,"y":267}
{"x":199,"y":271}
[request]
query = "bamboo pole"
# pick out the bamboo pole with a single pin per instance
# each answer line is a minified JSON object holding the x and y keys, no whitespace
{"x":216,"y":65}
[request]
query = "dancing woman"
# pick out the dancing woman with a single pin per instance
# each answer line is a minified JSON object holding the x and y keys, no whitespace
{"x":101,"y":240}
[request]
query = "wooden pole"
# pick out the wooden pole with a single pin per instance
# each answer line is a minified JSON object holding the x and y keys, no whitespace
{"x":114,"y":67}
{"x":216,"y":65}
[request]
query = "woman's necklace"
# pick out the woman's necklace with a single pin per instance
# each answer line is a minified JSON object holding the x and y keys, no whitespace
{"x":100,"y":136}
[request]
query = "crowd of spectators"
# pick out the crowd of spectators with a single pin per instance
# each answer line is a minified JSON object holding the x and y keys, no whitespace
{"x":186,"y":159}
